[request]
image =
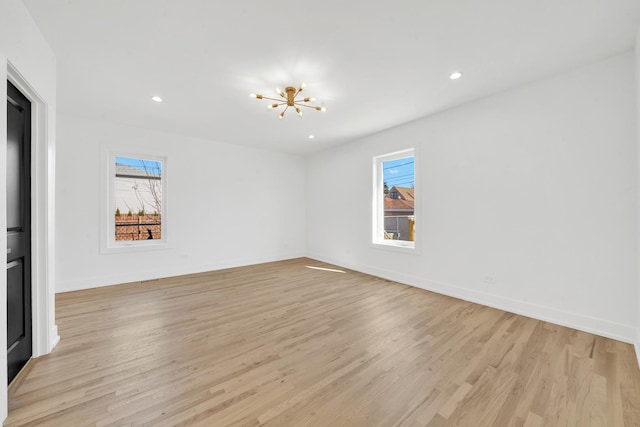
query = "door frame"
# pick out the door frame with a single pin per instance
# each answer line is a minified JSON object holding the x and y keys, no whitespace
{"x":44,"y":330}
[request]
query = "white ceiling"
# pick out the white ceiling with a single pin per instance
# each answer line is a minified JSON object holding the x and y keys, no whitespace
{"x":373,"y":64}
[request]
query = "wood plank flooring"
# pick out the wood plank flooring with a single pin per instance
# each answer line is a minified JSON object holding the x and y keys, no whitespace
{"x":281,"y":344}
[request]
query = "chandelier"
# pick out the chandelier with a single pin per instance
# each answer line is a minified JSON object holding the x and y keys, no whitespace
{"x":288,"y":98}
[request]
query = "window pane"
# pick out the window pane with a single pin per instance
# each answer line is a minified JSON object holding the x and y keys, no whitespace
{"x":138,"y":199}
{"x":398,"y":187}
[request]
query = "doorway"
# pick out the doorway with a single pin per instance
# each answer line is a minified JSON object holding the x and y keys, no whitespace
{"x":19,"y":330}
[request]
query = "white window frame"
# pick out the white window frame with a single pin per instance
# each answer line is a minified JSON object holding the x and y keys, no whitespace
{"x":108,"y":242}
{"x":377,"y":223}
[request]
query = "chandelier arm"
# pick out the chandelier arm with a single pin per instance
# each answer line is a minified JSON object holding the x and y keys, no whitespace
{"x":305,"y":105}
{"x":272,"y":99}
{"x":275,"y":105}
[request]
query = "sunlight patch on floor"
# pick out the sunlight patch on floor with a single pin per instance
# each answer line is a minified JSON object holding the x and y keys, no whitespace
{"x":325,"y":269}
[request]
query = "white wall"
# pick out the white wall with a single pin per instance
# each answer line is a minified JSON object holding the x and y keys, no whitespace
{"x":251,"y":203}
{"x":535,"y":187}
{"x":637,"y":51}
{"x":33,"y":63}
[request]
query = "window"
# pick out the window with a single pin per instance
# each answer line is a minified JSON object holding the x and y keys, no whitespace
{"x":394,"y":200}
{"x":135,"y":209}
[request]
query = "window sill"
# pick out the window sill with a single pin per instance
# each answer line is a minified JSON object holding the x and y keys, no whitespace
{"x":397,"y":246}
{"x":139,"y":246}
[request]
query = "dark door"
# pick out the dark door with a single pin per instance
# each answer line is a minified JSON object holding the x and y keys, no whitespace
{"x":18,"y":230}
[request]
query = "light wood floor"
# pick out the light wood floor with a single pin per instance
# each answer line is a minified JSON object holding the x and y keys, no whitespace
{"x":281,"y":344}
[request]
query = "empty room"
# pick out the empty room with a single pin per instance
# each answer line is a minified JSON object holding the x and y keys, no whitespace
{"x":414,"y":213}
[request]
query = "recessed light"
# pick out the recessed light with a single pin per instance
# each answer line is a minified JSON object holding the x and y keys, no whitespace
{"x":456,"y":75}
{"x":311,"y":136}
{"x":156,"y":98}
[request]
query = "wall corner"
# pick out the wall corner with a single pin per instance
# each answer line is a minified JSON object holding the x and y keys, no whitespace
{"x":637,"y":104}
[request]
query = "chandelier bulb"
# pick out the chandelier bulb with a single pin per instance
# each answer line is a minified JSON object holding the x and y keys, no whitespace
{"x":299,"y":111}
{"x":303,"y":85}
{"x":281,"y":115}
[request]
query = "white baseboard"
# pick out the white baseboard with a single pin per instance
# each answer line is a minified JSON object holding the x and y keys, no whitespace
{"x":637,"y":346}
{"x":55,"y":337}
{"x":602,"y":327}
{"x":169,"y":271}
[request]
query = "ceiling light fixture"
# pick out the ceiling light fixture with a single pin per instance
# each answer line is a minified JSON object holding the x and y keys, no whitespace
{"x":156,"y":98}
{"x":288,"y":98}
{"x":456,"y":75}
